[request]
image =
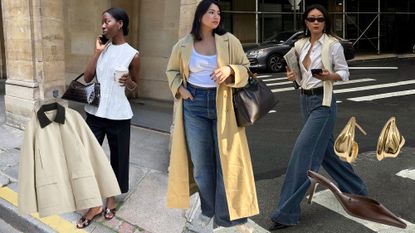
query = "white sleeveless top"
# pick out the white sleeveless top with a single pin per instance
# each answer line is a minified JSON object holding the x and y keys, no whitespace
{"x":113,"y":104}
{"x":201,"y":67}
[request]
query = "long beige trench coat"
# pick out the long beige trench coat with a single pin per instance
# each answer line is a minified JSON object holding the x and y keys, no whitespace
{"x":233,"y":146}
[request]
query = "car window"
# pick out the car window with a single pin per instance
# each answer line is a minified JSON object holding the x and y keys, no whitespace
{"x":282,"y":36}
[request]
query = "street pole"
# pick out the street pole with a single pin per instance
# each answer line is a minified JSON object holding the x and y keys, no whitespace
{"x":378,"y":26}
{"x":344,"y":18}
{"x":295,"y":15}
{"x":256,"y":23}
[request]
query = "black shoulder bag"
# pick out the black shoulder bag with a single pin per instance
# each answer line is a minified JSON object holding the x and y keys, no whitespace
{"x":253,"y":101}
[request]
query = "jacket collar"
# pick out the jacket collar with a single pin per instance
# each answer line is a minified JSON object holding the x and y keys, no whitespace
{"x":44,"y":120}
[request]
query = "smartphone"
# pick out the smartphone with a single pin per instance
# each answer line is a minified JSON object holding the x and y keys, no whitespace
{"x":103,"y":39}
{"x":316,"y":71}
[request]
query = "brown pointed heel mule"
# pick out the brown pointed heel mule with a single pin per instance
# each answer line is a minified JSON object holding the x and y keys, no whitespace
{"x":356,"y":205}
{"x":345,"y":146}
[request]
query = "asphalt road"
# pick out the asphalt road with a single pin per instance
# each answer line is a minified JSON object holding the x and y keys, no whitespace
{"x":272,"y":139}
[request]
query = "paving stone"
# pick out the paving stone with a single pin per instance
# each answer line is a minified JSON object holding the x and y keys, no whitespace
{"x":8,"y":158}
{"x":10,"y":137}
{"x":150,"y":212}
{"x":4,"y":181}
{"x":126,"y":227}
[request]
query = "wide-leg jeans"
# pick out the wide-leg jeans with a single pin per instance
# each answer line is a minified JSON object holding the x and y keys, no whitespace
{"x":200,"y":120}
{"x":313,"y":148}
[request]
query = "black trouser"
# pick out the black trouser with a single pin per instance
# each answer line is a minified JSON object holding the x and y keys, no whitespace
{"x":118,"y":135}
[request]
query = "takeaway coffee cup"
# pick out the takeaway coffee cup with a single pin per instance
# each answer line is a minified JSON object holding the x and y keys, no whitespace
{"x":119,"y":72}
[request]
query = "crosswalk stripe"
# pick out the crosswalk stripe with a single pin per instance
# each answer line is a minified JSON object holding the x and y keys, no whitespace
{"x":354,"y":81}
{"x":407,"y":174}
{"x":283,"y":89}
{"x":377,"y":86}
{"x":337,"y":83}
{"x":373,"y":67}
{"x":264,"y":76}
{"x":382,"y":96}
{"x":327,"y":199}
{"x":274,"y":79}
{"x":279,"y":84}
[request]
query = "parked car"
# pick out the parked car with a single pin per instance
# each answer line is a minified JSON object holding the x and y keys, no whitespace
{"x":269,"y":54}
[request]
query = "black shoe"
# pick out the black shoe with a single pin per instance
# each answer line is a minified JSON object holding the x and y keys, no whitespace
{"x":278,"y":226}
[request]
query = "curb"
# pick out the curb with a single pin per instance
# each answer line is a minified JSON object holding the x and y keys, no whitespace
{"x":26,"y":223}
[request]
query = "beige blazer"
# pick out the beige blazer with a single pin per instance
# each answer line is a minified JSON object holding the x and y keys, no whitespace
{"x":233,"y":146}
{"x":62,"y":166}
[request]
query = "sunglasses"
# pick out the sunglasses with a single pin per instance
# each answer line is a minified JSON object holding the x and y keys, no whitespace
{"x":312,"y":19}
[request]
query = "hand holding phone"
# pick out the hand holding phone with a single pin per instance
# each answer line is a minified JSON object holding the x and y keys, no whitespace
{"x":316,"y":71}
{"x":103,"y":39}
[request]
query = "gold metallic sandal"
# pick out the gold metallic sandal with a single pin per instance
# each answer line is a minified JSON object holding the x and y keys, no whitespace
{"x":390,"y":141}
{"x":345,"y":147}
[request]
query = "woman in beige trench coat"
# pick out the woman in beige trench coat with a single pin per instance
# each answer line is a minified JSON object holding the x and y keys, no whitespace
{"x":203,"y":68}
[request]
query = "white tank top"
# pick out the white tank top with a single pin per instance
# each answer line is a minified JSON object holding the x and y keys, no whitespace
{"x":113,"y":104}
{"x":201,"y":67}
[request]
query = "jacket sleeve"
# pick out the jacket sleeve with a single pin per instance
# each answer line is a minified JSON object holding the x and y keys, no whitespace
{"x":104,"y":174}
{"x":174,"y":76}
{"x":27,"y":193}
{"x":239,"y":62}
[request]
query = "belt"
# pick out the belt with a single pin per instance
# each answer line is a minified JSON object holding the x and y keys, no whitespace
{"x":313,"y":91}
{"x":200,"y":88}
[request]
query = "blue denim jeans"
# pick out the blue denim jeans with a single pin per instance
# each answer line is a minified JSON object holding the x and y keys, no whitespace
{"x":200,"y":119}
{"x":313,"y":148}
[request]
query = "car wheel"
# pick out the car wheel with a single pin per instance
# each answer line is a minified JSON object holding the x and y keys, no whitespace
{"x":275,"y":63}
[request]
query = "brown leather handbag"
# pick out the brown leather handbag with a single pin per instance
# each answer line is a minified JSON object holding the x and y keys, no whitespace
{"x":253,"y":101}
{"x":83,"y":93}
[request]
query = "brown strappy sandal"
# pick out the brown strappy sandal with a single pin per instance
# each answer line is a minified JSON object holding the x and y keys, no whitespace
{"x":84,"y":222}
{"x":109,"y":213}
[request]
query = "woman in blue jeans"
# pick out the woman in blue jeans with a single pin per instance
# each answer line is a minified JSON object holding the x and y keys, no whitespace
{"x":207,"y":145}
{"x":314,"y":146}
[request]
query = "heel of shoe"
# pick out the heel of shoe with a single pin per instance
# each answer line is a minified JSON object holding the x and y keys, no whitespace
{"x":311,"y":190}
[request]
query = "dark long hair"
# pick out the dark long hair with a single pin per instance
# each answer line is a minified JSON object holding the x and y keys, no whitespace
{"x":120,"y":15}
{"x":327,"y":22}
{"x":201,"y":9}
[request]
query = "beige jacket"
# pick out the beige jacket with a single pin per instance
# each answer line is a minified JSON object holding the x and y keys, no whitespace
{"x":233,"y":146}
{"x":62,"y":166}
